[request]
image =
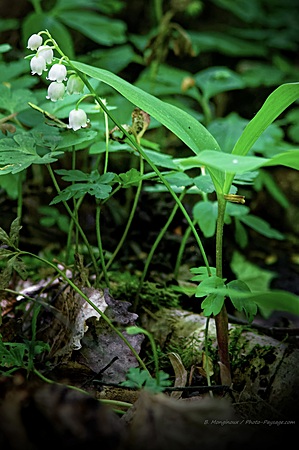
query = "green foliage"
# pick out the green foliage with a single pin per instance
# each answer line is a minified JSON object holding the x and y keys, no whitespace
{"x":21,"y":355}
{"x":18,"y":355}
{"x":93,"y":184}
{"x":198,"y":143}
{"x":141,"y":379}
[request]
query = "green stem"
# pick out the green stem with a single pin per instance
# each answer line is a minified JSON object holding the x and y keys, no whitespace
{"x":153,"y":249}
{"x":20,"y":201}
{"x":100,"y":246}
{"x":75,"y":388}
{"x":143,"y":154}
{"x":85,"y":240}
{"x":37,"y":6}
{"x":130,"y":219}
{"x":136,"y":145}
{"x":207,"y":366}
{"x":158,"y":10}
{"x":106,"y":142}
{"x":221,"y":319}
{"x":181,"y":251}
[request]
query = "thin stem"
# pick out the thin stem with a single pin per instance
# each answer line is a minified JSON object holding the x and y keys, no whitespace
{"x":207,"y":366}
{"x":146,"y":158}
{"x":151,"y":164}
{"x":85,"y":240}
{"x":106,"y":142}
{"x":158,"y":10}
{"x":153,"y":249}
{"x":181,"y":250}
{"x":100,"y":246}
{"x":75,"y":388}
{"x":20,"y":201}
{"x":37,"y":6}
{"x":130,"y":219}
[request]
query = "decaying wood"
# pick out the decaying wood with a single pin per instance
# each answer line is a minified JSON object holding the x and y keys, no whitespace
{"x":265,"y":372}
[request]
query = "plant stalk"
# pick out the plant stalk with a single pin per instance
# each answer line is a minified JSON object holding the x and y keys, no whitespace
{"x":221,"y":319}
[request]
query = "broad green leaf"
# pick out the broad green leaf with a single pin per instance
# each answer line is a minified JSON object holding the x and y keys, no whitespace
{"x":221,"y":161}
{"x":276,"y":300}
{"x":232,"y":164}
{"x":100,"y":29}
{"x":265,"y":179}
{"x":214,"y":80}
{"x":179,"y":179}
{"x":10,"y":183}
{"x":114,"y":59}
{"x":241,"y":235}
{"x":205,"y":213}
{"x":227,"y":130}
{"x":256,"y":279}
{"x":288,"y":159}
{"x":14,"y":100}
{"x":261,"y":226}
{"x":161,"y":159}
{"x":233,"y":209}
{"x":182,"y":124}
{"x":68,"y":139}
{"x":221,"y":42}
{"x":274,"y":105}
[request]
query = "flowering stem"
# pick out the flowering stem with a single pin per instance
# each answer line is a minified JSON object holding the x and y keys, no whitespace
{"x":153,"y":166}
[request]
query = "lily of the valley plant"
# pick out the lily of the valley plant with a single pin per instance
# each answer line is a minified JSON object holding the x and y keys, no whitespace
{"x":68,"y":77}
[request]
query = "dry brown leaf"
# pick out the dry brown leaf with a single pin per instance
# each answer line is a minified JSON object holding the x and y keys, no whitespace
{"x":180,"y":373}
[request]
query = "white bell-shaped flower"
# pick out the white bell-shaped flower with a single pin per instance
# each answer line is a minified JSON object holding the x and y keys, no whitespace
{"x":56,"y":91}
{"x":37,"y":65}
{"x":57,"y":73}
{"x":77,"y":119}
{"x":46,"y":52}
{"x":75,"y":85}
{"x":34,"y":42}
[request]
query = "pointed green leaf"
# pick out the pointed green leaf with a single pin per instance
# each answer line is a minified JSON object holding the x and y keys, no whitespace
{"x":275,"y":104}
{"x":182,"y":124}
{"x":225,"y":162}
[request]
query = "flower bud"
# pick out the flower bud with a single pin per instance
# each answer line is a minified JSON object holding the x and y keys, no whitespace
{"x":57,"y":73}
{"x":37,"y":64}
{"x":77,"y":119}
{"x":46,"y":52}
{"x":55,"y":91}
{"x":75,"y":85}
{"x":34,"y":42}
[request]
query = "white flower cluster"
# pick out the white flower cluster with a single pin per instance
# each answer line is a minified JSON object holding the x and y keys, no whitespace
{"x":57,"y":75}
